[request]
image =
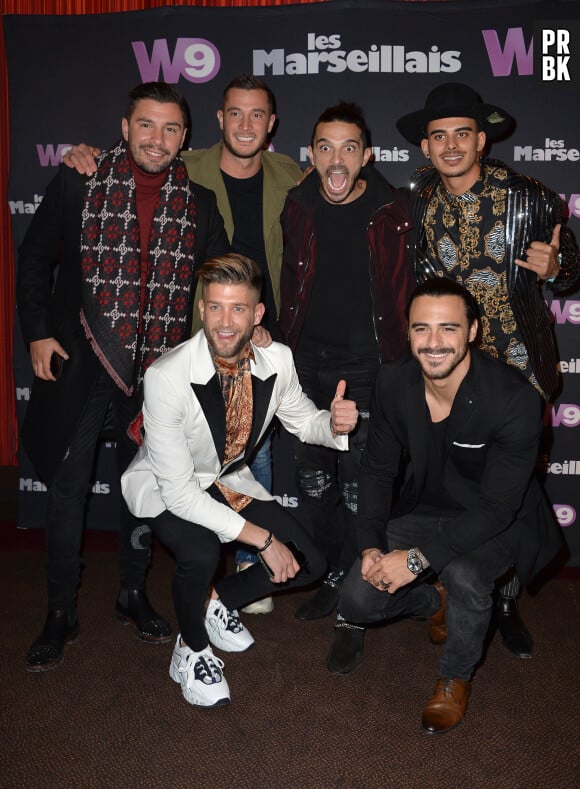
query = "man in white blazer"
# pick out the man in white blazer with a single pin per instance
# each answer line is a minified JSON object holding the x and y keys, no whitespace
{"x":207,"y":404}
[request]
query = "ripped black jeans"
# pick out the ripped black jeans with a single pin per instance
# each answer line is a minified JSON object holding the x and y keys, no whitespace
{"x":327,"y":479}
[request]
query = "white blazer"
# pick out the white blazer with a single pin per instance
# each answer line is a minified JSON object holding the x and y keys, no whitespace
{"x":184,"y":420}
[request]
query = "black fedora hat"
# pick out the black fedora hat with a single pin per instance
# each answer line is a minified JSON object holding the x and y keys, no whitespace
{"x":455,"y":100}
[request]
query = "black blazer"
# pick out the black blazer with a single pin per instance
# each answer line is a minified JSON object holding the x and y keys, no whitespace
{"x":53,"y":310}
{"x":488,"y":468}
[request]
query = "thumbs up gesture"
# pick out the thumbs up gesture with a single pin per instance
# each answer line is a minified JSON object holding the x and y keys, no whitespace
{"x":343,"y":413}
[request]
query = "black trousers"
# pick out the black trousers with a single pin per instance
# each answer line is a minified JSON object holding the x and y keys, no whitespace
{"x":469,"y":580}
{"x":327,"y":479}
{"x":68,"y":493}
{"x":197,"y":553}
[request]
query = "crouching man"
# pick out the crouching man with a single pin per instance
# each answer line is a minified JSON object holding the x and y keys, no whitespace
{"x":472,"y":507}
{"x":206,"y":406}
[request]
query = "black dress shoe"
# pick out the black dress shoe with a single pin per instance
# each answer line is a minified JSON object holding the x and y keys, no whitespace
{"x":133,"y":606}
{"x":346,"y":649}
{"x":324,"y":600}
{"x":61,"y":627}
{"x":514,"y":634}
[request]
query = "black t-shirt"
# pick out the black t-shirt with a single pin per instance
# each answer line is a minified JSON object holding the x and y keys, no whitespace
{"x":340,"y":312}
{"x":434,"y":495}
{"x":245,"y":196}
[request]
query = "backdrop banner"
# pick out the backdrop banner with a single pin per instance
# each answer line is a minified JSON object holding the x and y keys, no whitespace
{"x":69,"y":77}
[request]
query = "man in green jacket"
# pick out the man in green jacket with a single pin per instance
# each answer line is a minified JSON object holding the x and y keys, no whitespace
{"x":250,"y":183}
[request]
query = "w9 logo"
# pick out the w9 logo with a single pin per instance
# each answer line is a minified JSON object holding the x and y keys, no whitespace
{"x":565,"y":514}
{"x":194,"y":59}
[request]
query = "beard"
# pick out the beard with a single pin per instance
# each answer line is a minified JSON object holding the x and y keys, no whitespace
{"x":438,"y":371}
{"x":244,"y":153}
{"x":227,"y":350}
{"x":146,"y":164}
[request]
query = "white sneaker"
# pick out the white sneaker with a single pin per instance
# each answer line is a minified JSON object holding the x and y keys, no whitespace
{"x":225,"y":630}
{"x":263,"y":606}
{"x":200,"y":675}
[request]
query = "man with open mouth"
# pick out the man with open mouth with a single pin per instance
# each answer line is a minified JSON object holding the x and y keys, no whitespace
{"x":345,"y":235}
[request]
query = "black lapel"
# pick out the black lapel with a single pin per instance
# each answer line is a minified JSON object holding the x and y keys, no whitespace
{"x":464,"y":407}
{"x":261,"y":396}
{"x":212,"y":404}
{"x":418,"y":422}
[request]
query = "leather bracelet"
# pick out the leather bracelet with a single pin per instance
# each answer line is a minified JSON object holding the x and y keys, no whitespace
{"x":266,"y":544}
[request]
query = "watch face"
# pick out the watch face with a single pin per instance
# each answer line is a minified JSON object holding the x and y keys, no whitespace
{"x":414,"y":563}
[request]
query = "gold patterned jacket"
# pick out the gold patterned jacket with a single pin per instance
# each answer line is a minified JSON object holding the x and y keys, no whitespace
{"x":532,"y":211}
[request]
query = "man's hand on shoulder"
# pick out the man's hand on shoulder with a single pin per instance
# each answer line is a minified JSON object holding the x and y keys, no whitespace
{"x":82,"y":158}
{"x":542,"y":258}
{"x":306,"y":173}
{"x":261,"y":337}
{"x":343,"y":413}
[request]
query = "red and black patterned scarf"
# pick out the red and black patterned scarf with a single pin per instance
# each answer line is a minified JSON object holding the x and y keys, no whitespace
{"x":129,"y":329}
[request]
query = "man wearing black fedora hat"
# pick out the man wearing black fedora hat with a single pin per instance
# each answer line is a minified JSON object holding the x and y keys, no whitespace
{"x":501,"y":235}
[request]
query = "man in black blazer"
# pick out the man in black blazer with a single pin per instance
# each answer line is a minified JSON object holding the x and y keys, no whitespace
{"x":469,"y":426}
{"x":503,"y":236}
{"x":127,"y":242}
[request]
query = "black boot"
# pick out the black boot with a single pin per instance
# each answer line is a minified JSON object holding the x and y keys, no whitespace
{"x":514,"y":634}
{"x":325,"y":599}
{"x":346,"y":649}
{"x":61,"y":627}
{"x":133,"y":606}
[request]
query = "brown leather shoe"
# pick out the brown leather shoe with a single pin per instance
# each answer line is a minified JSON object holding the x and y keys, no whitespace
{"x":446,"y":708}
{"x":437,"y":624}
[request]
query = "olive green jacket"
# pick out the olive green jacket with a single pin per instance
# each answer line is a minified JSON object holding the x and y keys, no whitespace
{"x":281,"y":173}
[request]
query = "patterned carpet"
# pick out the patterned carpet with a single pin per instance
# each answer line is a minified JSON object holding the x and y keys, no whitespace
{"x":110,"y":716}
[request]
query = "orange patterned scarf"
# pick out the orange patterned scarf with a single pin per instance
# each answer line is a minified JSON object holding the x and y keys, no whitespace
{"x":236,"y":383}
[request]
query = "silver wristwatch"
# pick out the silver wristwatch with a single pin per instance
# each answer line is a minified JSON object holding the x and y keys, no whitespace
{"x":416,"y":562}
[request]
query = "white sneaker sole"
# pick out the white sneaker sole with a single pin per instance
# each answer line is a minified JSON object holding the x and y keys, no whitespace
{"x":264,"y":606}
{"x":227,"y":646}
{"x":194,"y":699}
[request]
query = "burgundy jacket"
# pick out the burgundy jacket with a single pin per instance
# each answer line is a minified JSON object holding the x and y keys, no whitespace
{"x":392,"y":278}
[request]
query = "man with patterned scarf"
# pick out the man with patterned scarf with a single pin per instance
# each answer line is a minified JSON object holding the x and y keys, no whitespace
{"x":127,"y":242}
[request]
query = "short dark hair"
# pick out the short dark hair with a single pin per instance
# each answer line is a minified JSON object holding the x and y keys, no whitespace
{"x":158,"y":91}
{"x":249,"y":82}
{"x":344,"y":112}
{"x":231,"y":269}
{"x":443,"y":286}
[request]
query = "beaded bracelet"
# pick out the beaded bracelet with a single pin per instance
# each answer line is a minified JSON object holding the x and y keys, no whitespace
{"x":266,"y":544}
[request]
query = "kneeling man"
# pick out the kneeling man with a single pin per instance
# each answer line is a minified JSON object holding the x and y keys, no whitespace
{"x":470,"y":427}
{"x":207,"y":404}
